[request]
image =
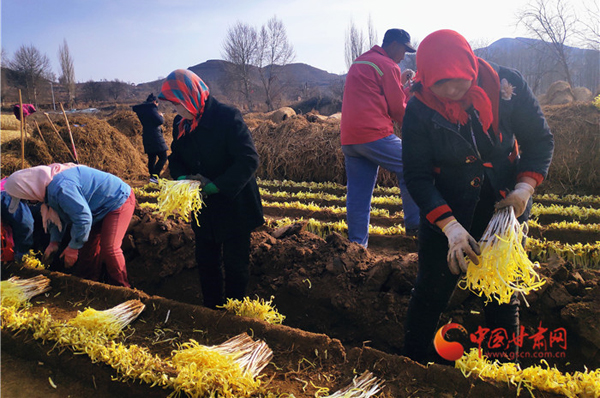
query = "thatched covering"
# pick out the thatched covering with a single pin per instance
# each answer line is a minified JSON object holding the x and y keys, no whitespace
{"x":299,"y":150}
{"x":127,"y":122}
{"x":296,"y":149}
{"x":98,"y":145}
{"x":583,"y":94}
{"x":575,"y":167}
{"x":559,"y":93}
{"x":281,"y":114}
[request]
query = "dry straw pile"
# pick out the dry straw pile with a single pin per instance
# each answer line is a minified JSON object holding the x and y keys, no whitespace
{"x":575,"y":166}
{"x":98,"y":145}
{"x":299,"y":148}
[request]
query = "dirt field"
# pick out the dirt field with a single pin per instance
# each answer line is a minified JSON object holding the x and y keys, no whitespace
{"x":353,"y":305}
{"x":345,"y":306}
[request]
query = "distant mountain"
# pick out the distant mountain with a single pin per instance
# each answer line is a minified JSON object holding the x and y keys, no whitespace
{"x":299,"y":83}
{"x":294,"y":80}
{"x":538,"y":64}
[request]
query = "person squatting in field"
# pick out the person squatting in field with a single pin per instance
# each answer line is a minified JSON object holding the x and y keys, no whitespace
{"x":97,"y":206}
{"x":152,"y":135}
{"x":475,"y":139}
{"x":213,"y":145}
{"x":374,"y":98}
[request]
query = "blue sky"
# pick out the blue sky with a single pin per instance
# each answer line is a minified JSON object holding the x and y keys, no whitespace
{"x":142,"y":40}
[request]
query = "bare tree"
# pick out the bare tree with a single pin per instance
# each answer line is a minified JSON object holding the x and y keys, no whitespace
{"x":4,"y":87}
{"x":240,"y":49}
{"x":372,"y":33}
{"x":590,"y":31}
{"x":117,"y":88}
{"x":92,"y":91}
{"x":355,"y":44}
{"x":274,"y":51}
{"x":67,"y":78}
{"x":554,"y":23}
{"x":29,"y":69}
{"x":3,"y":57}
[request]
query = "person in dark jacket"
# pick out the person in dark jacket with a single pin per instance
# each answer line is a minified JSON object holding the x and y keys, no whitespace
{"x":212,"y":144}
{"x":20,"y":226}
{"x":475,"y":139}
{"x":152,"y":135}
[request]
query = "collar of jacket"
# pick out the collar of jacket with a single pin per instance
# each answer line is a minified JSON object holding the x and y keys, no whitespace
{"x":441,"y":121}
{"x":144,"y":105}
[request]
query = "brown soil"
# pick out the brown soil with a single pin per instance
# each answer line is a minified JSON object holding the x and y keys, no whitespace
{"x":336,"y":296}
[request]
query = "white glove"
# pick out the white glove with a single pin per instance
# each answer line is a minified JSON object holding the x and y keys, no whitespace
{"x":460,"y":243}
{"x":406,"y":77}
{"x":517,"y":198}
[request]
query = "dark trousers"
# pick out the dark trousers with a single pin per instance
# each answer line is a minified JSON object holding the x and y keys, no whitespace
{"x":224,"y":268}
{"x":156,"y":162}
{"x":434,"y":287}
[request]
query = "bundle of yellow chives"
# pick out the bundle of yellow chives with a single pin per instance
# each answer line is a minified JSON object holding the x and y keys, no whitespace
{"x":504,"y":267}
{"x":179,"y":198}
{"x":226,"y":370}
{"x":31,"y":260}
{"x":109,"y":322}
{"x":16,"y":292}
{"x":580,"y":384}
{"x":363,"y":386}
{"x":258,"y":308}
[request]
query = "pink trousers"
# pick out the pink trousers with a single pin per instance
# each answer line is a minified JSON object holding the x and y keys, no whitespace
{"x":104,"y":246}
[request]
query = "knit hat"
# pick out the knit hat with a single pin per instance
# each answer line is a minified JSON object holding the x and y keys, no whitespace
{"x":151,"y":98}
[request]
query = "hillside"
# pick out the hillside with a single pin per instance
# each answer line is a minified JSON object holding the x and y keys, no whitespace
{"x":300,"y":82}
{"x":535,"y":60}
{"x":530,"y":56}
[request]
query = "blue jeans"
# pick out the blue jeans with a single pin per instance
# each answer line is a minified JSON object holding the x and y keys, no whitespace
{"x":362,"y":165}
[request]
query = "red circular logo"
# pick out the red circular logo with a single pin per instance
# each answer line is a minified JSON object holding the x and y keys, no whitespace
{"x":449,"y":350}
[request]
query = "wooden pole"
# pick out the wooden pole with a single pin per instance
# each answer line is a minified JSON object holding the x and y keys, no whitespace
{"x":40,"y":131}
{"x":59,"y":137}
{"x":70,"y":133}
{"x":22,"y":131}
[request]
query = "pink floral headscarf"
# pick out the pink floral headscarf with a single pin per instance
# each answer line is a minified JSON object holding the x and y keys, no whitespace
{"x":30,"y":184}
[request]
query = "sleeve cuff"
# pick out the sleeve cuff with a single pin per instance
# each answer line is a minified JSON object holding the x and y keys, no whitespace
{"x":438,"y":212}
{"x":536,"y":176}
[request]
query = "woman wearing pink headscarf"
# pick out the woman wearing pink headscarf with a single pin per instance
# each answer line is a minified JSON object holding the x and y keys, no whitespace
{"x":30,"y":185}
{"x":98,"y":206}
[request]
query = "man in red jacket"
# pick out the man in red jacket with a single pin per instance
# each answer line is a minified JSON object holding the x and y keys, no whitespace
{"x":374,"y":98}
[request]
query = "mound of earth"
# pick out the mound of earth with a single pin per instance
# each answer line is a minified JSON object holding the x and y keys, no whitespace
{"x":303,"y":362}
{"x":338,"y":299}
{"x":358,"y":296}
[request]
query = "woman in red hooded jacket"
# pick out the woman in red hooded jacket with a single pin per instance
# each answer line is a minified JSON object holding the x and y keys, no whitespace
{"x":475,"y":139}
